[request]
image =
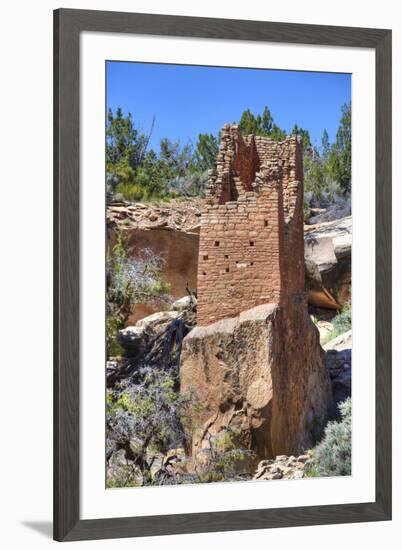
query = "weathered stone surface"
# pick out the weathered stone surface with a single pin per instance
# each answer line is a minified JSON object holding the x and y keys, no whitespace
{"x":156,"y":321}
{"x":178,"y":215}
{"x":340,"y":343}
{"x":324,"y":328}
{"x":187,"y":302}
{"x":261,"y":375}
{"x":339,"y":363}
{"x":121,"y":471}
{"x":318,"y":295}
{"x":133,"y":340}
{"x":282,"y":467}
{"x":328,"y":246}
{"x":325,"y":243}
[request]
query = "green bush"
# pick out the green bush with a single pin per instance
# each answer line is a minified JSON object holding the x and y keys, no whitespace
{"x":306,"y":207}
{"x":131,"y":192}
{"x":226,"y":458}
{"x":113,"y":325}
{"x":130,"y":281}
{"x":133,"y":280}
{"x":143,"y":418}
{"x":341,"y":323}
{"x":333,"y":456}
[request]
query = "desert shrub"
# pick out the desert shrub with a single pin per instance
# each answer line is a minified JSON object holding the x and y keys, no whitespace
{"x":226,"y":458}
{"x":131,"y":192}
{"x":341,"y":322}
{"x":332,"y":192}
{"x":133,"y":280}
{"x":191,"y":185}
{"x":144,"y":418}
{"x":333,"y":456}
{"x":113,"y":325}
{"x":336,"y":208}
{"x":124,"y":478}
{"x":130,"y":281}
{"x":307,"y":199}
{"x":335,"y":201}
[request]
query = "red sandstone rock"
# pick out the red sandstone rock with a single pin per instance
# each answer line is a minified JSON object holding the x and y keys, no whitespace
{"x":261,"y":375}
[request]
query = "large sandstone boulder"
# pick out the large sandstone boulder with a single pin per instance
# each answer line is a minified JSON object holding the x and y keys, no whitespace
{"x":183,"y":304}
{"x":155,"y":322}
{"x":260,"y":376}
{"x":135,"y":339}
{"x":328,"y":256}
{"x":318,"y":295}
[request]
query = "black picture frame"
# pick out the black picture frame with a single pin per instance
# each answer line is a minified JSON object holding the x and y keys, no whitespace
{"x":68,"y":24}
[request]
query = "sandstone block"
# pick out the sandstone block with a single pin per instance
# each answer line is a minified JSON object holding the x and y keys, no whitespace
{"x":262,"y":376}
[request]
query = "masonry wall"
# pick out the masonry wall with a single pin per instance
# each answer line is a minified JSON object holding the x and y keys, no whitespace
{"x":251,"y":238}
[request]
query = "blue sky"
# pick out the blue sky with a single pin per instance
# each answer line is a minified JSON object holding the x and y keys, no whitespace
{"x":188,"y":100}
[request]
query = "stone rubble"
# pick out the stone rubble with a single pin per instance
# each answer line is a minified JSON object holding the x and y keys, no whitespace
{"x":179,"y":215}
{"x":282,"y":467}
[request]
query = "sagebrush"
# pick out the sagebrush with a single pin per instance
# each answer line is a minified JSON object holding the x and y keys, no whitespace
{"x":333,"y":456}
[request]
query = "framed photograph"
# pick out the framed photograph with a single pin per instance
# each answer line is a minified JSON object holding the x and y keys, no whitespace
{"x":211,"y":177}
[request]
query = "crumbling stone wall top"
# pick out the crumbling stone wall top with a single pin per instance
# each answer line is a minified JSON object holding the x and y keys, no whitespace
{"x":251,"y":236}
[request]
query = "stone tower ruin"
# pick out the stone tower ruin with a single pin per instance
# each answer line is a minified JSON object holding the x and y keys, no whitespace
{"x":251,"y":237}
{"x":253,"y":366}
